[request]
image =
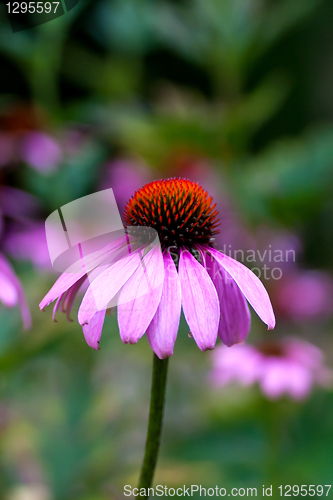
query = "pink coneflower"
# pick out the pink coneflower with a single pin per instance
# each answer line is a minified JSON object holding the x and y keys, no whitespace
{"x":288,"y":366}
{"x":185,"y":272}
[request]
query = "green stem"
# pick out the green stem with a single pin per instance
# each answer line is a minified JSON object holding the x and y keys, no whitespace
{"x":157,"y":397}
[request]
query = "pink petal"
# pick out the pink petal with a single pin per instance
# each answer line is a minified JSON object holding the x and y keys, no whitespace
{"x":8,"y":273}
{"x":106,"y":286}
{"x":140,"y":297}
{"x":70,"y":297}
{"x":89,"y":262}
{"x":250,"y":285}
{"x":8,"y":292}
{"x":163,"y":329}
{"x":57,"y":305}
{"x":63,"y":283}
{"x":199,"y":300}
{"x":93,"y":331}
{"x":235,"y":319}
{"x":113,"y":251}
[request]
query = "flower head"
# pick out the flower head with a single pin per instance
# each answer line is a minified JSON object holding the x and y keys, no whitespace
{"x":153,"y":284}
{"x":178,"y":209}
{"x":288,"y":366}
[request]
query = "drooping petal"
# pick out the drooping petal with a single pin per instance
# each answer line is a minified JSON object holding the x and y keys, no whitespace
{"x":199,"y":300}
{"x":57,"y":306}
{"x":93,"y":330}
{"x":89,"y":261}
{"x":250,"y":285}
{"x":163,"y":329}
{"x":106,"y":286}
{"x":8,"y":292}
{"x":235,"y":317}
{"x":70,"y":297}
{"x":140,"y":297}
{"x":9,"y":275}
{"x":63,"y":283}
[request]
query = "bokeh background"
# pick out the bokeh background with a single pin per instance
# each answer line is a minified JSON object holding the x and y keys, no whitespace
{"x":234,"y":94}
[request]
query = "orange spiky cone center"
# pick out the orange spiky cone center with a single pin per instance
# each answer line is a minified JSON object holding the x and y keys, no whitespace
{"x":180,"y":210}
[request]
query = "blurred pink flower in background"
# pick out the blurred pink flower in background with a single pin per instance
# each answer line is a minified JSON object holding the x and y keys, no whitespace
{"x":289,"y":366}
{"x":125,"y":176}
{"x":21,"y":237}
{"x":299,"y":295}
{"x":277,"y":247}
{"x":29,"y":243}
{"x":304,"y":296}
{"x":22,"y":234}
{"x":11,"y":291}
{"x":17,"y":205}
{"x":41,"y":151}
{"x":23,"y":136}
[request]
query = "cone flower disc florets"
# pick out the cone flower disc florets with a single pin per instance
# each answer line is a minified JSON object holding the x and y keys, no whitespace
{"x":211,"y":288}
{"x":179,"y":210}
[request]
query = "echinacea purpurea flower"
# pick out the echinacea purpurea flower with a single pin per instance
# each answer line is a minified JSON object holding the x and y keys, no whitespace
{"x":212,"y":288}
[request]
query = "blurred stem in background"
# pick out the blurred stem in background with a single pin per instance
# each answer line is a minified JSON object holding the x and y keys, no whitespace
{"x":276,"y":423}
{"x":157,"y":398}
{"x":42,"y":69}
